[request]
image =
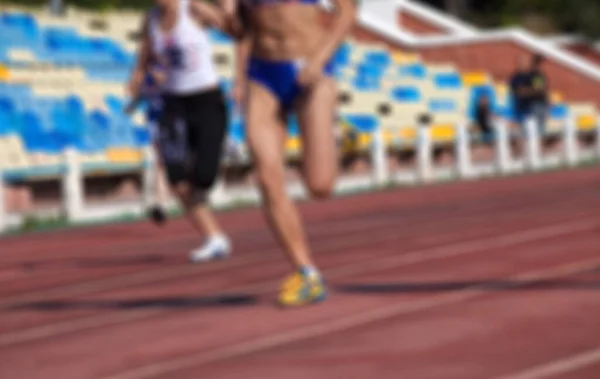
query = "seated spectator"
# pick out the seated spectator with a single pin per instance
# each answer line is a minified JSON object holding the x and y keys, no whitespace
{"x":484,"y":118}
{"x":521,"y":91}
{"x":539,"y":92}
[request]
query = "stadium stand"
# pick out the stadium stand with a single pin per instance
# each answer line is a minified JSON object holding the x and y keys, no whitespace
{"x":62,"y":87}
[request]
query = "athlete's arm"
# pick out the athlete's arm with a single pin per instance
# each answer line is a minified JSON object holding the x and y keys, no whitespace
{"x":143,"y":60}
{"x":346,"y":15}
{"x":217,"y":17}
{"x":242,"y":52}
{"x":243,"y":45}
{"x":243,"y":48}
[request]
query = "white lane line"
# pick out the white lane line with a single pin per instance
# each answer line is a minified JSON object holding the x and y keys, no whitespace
{"x":335,"y":326}
{"x":559,"y":366}
{"x":403,"y":260}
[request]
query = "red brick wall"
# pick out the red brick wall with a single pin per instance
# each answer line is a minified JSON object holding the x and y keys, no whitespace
{"x":498,"y":58}
{"x":585,"y":52}
{"x":416,"y":25}
{"x":361,"y":34}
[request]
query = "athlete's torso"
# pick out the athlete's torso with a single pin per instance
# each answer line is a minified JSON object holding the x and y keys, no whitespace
{"x":257,"y":3}
{"x":184,"y":51}
{"x":284,"y":29}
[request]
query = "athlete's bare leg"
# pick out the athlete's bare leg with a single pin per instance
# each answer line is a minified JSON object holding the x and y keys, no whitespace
{"x":196,"y":208}
{"x":204,"y":221}
{"x":266,"y":136}
{"x":316,"y":114}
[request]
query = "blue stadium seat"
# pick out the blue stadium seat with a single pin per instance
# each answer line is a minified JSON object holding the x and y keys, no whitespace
{"x":381,"y":59}
{"x":559,"y":111}
{"x":364,"y":83}
{"x":218,"y":37}
{"x":415,"y":70}
{"x":363,"y":122}
{"x":442,"y":105}
{"x":142,"y":137}
{"x":293,"y":128}
{"x":18,"y":28}
{"x":369,"y":70}
{"x":448,"y":81}
{"x":237,"y":130}
{"x":342,"y":55}
{"x":406,"y":94}
{"x":115,"y":105}
{"x":6,"y":105}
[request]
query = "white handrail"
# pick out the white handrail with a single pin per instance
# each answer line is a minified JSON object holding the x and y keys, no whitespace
{"x":372,"y":21}
{"x":442,"y":20}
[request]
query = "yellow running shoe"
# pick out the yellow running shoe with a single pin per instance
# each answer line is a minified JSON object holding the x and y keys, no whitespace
{"x":302,"y":288}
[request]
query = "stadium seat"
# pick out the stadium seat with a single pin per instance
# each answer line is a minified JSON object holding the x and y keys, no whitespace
{"x":475,"y":78}
{"x":76,"y":97}
{"x":4,"y":73}
{"x":406,"y":94}
{"x":559,"y":111}
{"x":448,"y":81}
{"x":442,"y":105}
{"x":124,"y":156}
{"x":362,"y":122}
{"x":415,"y":70}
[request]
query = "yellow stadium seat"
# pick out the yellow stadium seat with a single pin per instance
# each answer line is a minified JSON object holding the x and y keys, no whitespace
{"x":501,"y":90}
{"x":389,"y":137}
{"x":364,"y":140}
{"x":443,"y":132}
{"x":586,"y":122}
{"x":293,"y":144}
{"x":400,"y":57}
{"x":475,"y":78}
{"x":409,"y":133}
{"x":4,"y":73}
{"x":124,"y":155}
{"x":556,"y":97}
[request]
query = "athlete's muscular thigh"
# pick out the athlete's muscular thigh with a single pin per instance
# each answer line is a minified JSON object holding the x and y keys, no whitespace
{"x":266,"y":134}
{"x":316,"y":114}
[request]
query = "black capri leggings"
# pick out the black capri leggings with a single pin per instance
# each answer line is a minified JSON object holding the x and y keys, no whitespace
{"x":191,"y":133}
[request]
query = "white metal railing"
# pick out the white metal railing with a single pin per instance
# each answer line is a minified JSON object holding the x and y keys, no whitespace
{"x":424,"y":170}
{"x":373,"y":19}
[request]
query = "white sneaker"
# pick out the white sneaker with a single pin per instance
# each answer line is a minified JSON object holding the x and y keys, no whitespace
{"x":217,"y":247}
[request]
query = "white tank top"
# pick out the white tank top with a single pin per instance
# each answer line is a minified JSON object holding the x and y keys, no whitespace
{"x":185,"y":53}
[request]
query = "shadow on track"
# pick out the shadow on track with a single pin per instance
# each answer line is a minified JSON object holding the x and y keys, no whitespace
{"x":227,"y":301}
{"x":484,"y":285}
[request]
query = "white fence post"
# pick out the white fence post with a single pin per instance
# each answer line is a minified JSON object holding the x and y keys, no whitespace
{"x":72,"y":185}
{"x":149,"y":176}
{"x":503,"y":154}
{"x":424,"y":152}
{"x":379,"y":158}
{"x":463,"y":151}
{"x":570,"y":143}
{"x":3,"y":213}
{"x":532,"y":137}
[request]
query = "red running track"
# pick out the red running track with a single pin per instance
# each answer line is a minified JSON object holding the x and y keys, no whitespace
{"x":498,"y":279}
